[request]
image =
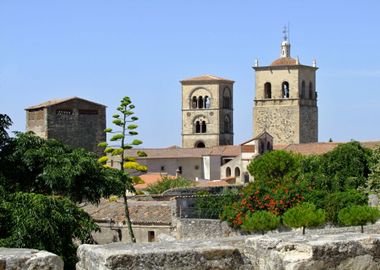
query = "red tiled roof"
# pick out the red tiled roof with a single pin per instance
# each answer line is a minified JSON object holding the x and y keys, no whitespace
{"x":319,"y":148}
{"x":225,"y":150}
{"x":151,"y":178}
{"x":141,"y":212}
{"x":58,"y":101}
{"x":284,"y":61}
{"x":206,"y":78}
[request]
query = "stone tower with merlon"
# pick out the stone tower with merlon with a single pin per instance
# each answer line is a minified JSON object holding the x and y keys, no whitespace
{"x":207,"y":112}
{"x":285,"y":103}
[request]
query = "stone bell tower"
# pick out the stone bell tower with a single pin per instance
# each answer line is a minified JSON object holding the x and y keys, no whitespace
{"x":285,"y":103}
{"x":207,"y":113}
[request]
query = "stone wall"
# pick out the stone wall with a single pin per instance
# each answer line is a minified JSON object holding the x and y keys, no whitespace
{"x":31,"y":259}
{"x":283,"y":251}
{"x":189,"y":229}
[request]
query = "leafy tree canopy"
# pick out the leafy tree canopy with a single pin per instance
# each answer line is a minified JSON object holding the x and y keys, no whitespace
{"x":373,"y":183}
{"x":261,"y":221}
{"x":347,"y":166}
{"x":167,"y":183}
{"x":304,"y":215}
{"x":358,"y":215}
{"x":50,"y":223}
{"x":275,"y":167}
{"x":32,"y":164}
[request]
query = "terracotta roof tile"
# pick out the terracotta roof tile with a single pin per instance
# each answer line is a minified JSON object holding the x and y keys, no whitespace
{"x":226,"y":150}
{"x":214,"y":183}
{"x":284,"y":61}
{"x":319,"y":148}
{"x":206,"y":78}
{"x":141,"y":212}
{"x":58,"y":101}
{"x":151,"y":178}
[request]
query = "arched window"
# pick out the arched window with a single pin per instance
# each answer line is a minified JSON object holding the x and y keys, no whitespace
{"x":237,"y":172}
{"x":227,"y":124}
{"x":267,"y":90}
{"x":285,"y":89}
{"x":262,"y":146}
{"x":311,"y":96}
{"x":269,"y":146}
{"x":197,"y":127}
{"x":303,"y":89}
{"x":228,"y":172}
{"x":207,"y":102}
{"x":194,"y":103}
{"x":200,"y":144}
{"x":200,"y":103}
{"x":203,"y":127}
{"x":227,"y":98}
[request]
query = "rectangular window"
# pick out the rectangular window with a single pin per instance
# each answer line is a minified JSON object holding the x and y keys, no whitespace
{"x":151,"y":237}
{"x":88,"y":112}
{"x":162,"y":168}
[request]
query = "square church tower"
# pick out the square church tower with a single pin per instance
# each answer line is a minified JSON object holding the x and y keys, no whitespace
{"x":285,"y":103}
{"x":207,"y":112}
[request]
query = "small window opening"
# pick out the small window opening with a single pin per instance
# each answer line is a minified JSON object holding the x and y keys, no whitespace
{"x":200,"y":145}
{"x":200,"y":103}
{"x":237,"y":172}
{"x":228,"y":172}
{"x":162,"y":168}
{"x":151,"y":236}
{"x":207,"y":102}
{"x":203,"y":128}
{"x":303,"y":90}
{"x":197,"y":127}
{"x":311,"y":96}
{"x":285,"y":90}
{"x":194,"y":103}
{"x":267,"y":90}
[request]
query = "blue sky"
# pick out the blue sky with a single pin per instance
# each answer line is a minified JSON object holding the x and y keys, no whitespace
{"x":103,"y":50}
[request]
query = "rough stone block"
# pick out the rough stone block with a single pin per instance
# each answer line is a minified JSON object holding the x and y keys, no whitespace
{"x":31,"y":259}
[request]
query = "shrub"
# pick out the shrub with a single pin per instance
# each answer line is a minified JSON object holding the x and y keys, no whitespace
{"x":358,"y":215}
{"x":304,"y":215}
{"x":211,"y":206}
{"x":168,"y":183}
{"x":336,"y":201}
{"x":257,"y":197}
{"x":261,"y":221}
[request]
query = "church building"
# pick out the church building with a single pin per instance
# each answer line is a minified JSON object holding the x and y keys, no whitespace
{"x":285,"y":103}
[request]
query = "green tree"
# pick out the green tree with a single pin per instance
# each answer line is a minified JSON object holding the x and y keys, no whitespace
{"x":347,"y":166}
{"x":373,"y":183}
{"x":261,"y":221}
{"x":32,"y":164}
{"x":50,"y":223}
{"x":275,"y":167}
{"x":336,"y":201}
{"x":5,"y":123}
{"x":358,"y":215}
{"x":167,"y":183}
{"x":304,"y":215}
{"x":125,"y":123}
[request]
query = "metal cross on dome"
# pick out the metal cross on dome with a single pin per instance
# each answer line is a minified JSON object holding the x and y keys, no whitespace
{"x":285,"y":32}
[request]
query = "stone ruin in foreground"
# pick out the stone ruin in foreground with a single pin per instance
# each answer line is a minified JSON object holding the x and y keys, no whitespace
{"x":282,"y":251}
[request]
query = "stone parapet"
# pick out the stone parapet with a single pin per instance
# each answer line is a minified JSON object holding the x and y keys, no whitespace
{"x":31,"y":259}
{"x":286,"y":251}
